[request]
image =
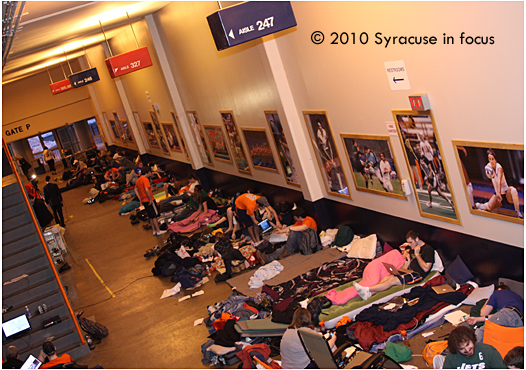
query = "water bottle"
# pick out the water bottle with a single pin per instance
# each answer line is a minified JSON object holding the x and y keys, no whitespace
{"x":405,"y":337}
{"x":208,"y":270}
{"x":28,"y":313}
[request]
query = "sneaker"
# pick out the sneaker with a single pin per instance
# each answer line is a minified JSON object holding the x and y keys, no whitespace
{"x":161,"y":232}
{"x":429,"y":205}
{"x":262,"y":257}
{"x":519,"y":214}
{"x":154,"y":233}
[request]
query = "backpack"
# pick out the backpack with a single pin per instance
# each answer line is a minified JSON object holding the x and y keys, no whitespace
{"x":96,"y":330}
{"x":432,"y":349}
{"x":310,"y":242}
{"x":316,"y":306}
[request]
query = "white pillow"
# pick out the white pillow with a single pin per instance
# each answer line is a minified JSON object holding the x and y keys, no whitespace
{"x":438,"y":265}
{"x":363,"y":248}
{"x":479,"y":293}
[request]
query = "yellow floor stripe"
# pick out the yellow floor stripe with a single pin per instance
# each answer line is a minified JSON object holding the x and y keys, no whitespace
{"x":100,"y":279}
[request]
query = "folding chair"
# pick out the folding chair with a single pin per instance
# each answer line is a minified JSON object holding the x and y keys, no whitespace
{"x":503,"y":338}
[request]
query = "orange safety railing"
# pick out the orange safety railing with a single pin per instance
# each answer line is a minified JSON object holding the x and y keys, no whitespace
{"x":39,"y":233}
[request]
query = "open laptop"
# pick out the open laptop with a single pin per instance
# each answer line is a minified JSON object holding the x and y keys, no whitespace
{"x":266,"y":227}
{"x":444,"y":288}
{"x":394,"y":271}
{"x":31,"y":363}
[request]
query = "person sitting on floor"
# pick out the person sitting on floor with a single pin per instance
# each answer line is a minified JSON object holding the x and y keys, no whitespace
{"x":419,"y":262}
{"x":204,"y":201}
{"x":48,"y":356}
{"x":514,"y":359}
{"x":293,"y":355}
{"x":112,"y":175}
{"x":510,"y":310}
{"x":13,"y":359}
{"x":295,"y":235}
{"x":466,"y":353}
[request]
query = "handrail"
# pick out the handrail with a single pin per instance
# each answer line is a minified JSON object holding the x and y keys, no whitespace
{"x":39,"y":233}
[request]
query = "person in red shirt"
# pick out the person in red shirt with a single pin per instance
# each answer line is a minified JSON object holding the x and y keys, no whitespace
{"x":143,"y":191}
{"x":32,"y":189}
{"x":295,"y":234}
{"x":49,"y":354}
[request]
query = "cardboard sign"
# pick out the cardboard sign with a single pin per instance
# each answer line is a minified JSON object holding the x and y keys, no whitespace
{"x":248,"y":21}
{"x":60,"y":86}
{"x":131,"y":61}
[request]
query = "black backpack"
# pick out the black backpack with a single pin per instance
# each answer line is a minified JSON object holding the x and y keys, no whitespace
{"x":94,"y":329}
{"x":310,"y":243}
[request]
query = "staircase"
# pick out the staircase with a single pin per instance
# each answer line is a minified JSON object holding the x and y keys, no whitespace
{"x":24,"y":252}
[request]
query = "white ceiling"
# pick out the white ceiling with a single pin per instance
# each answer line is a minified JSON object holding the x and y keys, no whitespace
{"x":48,"y":28}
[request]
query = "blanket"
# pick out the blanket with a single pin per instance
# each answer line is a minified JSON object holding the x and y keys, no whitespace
{"x":372,"y":274}
{"x":189,"y":225}
{"x":318,"y":280}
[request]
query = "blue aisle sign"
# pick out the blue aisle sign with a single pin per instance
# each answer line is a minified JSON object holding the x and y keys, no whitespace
{"x":84,"y":78}
{"x":249,"y":21}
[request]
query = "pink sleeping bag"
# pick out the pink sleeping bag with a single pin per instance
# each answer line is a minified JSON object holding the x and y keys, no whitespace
{"x":372,"y":274}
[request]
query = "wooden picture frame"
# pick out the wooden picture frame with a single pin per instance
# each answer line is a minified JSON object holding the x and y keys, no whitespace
{"x":120,"y":130}
{"x":171,"y":137}
{"x":238,"y":151}
{"x":327,"y":154}
{"x":138,"y":122}
{"x":217,"y":143}
{"x":159,"y":132}
{"x":374,"y":168}
{"x":282,"y":146}
{"x":177,"y":125}
{"x":259,"y":149}
{"x":150,"y":135}
{"x":126,"y":132}
{"x":481,"y":178}
{"x":200,"y":137}
{"x":423,"y":154}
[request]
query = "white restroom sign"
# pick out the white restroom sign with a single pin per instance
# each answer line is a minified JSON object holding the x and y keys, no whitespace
{"x":397,"y":75}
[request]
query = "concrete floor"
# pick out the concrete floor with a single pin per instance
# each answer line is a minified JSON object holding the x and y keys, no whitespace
{"x":111,"y":281}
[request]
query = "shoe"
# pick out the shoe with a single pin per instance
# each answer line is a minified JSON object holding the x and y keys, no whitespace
{"x":64,"y":267}
{"x":285,"y":255}
{"x":154,"y":233}
{"x":262,"y":257}
{"x":480,"y":206}
{"x":429,"y":205}
{"x":161,"y":232}
{"x":519,"y":214}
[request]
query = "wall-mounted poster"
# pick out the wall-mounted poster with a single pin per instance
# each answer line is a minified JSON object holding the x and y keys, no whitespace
{"x":327,"y":153}
{"x":199,"y":137}
{"x":158,"y":132}
{"x":114,"y":129}
{"x":283,"y":148}
{"x":238,"y":151}
{"x":138,"y":123}
{"x":120,"y":130}
{"x":423,"y":153}
{"x":126,"y":133}
{"x":373,"y":165}
{"x":178,"y":129}
{"x":150,"y":134}
{"x":171,"y":138}
{"x":259,"y":149}
{"x":217,"y":143}
{"x":493,"y":175}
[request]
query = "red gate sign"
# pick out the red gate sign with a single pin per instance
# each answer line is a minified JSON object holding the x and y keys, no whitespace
{"x":60,"y":86}
{"x":129,"y":62}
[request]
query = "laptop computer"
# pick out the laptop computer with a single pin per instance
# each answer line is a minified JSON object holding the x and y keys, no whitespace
{"x":444,"y":288}
{"x":394,"y":271}
{"x":31,"y":363}
{"x":265,"y":225}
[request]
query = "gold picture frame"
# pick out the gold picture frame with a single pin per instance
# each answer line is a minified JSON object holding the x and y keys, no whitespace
{"x":259,"y":149}
{"x":423,"y":154}
{"x":238,"y":150}
{"x":327,"y":154}
{"x":177,"y":124}
{"x":481,"y":178}
{"x":200,"y":137}
{"x":217,"y":143}
{"x":373,"y":165}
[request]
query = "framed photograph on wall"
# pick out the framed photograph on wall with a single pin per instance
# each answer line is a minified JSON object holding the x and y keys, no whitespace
{"x":120,"y":130}
{"x":159,"y":132}
{"x":171,"y":137}
{"x":493,"y":178}
{"x":429,"y":175}
{"x":199,"y":137}
{"x":217,"y":143}
{"x":259,"y":149}
{"x":179,"y":133}
{"x":373,"y":165}
{"x":126,"y":132}
{"x":150,"y":134}
{"x":238,"y":152}
{"x":114,"y":129}
{"x":144,"y":138}
{"x":282,"y":146}
{"x":327,"y":153}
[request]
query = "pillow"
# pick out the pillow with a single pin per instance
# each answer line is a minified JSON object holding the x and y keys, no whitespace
{"x":478,"y":294}
{"x":363,"y":248}
{"x":438,"y":265}
{"x":459,"y":271}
